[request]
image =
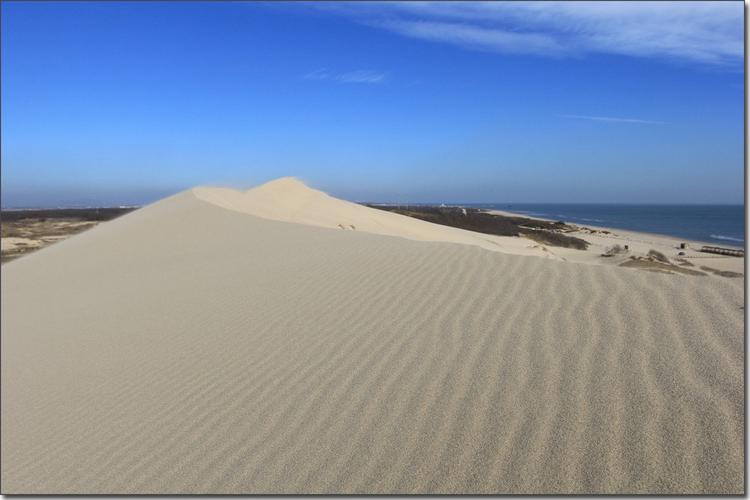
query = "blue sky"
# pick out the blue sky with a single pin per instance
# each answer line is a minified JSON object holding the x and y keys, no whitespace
{"x":123,"y":103}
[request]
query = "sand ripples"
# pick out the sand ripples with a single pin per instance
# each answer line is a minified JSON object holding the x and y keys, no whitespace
{"x":253,"y":356}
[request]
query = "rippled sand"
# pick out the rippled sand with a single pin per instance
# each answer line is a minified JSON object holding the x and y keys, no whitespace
{"x":187,"y":348}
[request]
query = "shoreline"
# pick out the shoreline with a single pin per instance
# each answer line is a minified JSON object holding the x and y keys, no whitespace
{"x":570,"y":242}
{"x":639,"y":245}
{"x":615,"y":230}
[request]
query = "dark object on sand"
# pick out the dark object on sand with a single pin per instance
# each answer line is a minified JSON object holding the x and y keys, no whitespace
{"x":723,"y":251}
{"x":683,"y":245}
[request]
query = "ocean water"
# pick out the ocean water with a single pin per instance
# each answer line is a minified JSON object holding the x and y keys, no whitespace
{"x":723,"y":225}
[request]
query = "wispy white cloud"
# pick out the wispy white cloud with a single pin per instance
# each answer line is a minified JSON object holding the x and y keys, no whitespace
{"x":362,"y":76}
{"x":318,"y":74}
{"x":613,"y":119}
{"x":477,"y":37}
{"x":357,"y":76}
{"x":704,"y":32}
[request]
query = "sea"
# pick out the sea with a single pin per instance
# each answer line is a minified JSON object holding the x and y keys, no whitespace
{"x":722,"y":225}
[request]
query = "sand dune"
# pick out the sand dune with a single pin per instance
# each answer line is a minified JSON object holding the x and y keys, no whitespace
{"x":289,"y":200}
{"x":189,"y":347}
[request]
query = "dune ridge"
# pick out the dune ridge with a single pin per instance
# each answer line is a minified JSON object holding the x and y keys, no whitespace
{"x":289,"y":200}
{"x":238,"y":354}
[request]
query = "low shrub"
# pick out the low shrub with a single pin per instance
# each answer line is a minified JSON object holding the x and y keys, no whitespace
{"x":614,"y":250}
{"x":557,"y":239}
{"x":658,"y":256}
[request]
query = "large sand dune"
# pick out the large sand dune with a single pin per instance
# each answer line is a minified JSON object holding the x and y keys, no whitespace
{"x":289,"y":200}
{"x":189,"y":347}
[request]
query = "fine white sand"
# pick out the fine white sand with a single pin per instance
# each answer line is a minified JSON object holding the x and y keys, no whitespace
{"x":193,"y":347}
{"x":289,"y":200}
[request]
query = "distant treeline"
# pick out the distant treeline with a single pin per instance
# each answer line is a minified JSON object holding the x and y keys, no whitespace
{"x":473,"y":219}
{"x":91,"y":214}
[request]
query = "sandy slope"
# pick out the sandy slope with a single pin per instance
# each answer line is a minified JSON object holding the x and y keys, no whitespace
{"x":186,"y":348}
{"x":289,"y":200}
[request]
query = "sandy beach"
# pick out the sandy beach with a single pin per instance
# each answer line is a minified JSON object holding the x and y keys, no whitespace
{"x":602,"y":238}
{"x":280,"y":341}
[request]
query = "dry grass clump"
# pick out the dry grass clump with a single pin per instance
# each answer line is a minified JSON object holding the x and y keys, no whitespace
{"x":659,"y":267}
{"x":557,"y":239}
{"x":614,"y":250}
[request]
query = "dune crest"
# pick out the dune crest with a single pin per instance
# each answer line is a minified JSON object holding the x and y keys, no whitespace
{"x":289,"y":200}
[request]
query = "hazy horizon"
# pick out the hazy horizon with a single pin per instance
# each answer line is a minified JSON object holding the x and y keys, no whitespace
{"x":89,"y":200}
{"x":107,"y":104}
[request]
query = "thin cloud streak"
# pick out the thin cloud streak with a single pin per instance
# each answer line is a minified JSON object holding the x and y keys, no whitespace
{"x":357,"y":76}
{"x":478,"y":37}
{"x":697,"y":32}
{"x":613,"y":119}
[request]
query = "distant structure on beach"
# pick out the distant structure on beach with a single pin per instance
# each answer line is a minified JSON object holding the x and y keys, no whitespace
{"x":723,"y":251}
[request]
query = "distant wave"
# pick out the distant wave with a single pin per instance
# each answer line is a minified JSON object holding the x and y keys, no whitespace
{"x":575,"y":218}
{"x":720,"y":224}
{"x":728,"y":238}
{"x":590,"y":220}
{"x":529,"y":212}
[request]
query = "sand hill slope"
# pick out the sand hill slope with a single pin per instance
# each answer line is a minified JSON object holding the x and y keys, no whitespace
{"x":289,"y":200}
{"x":188,"y":348}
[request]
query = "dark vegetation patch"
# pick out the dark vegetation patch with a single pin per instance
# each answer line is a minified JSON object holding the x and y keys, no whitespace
{"x":473,"y":219}
{"x":82,"y":214}
{"x":46,"y":226}
{"x":684,"y":262}
{"x":718,"y":272}
{"x":658,"y":262}
{"x":557,"y":239}
{"x":659,"y":267}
